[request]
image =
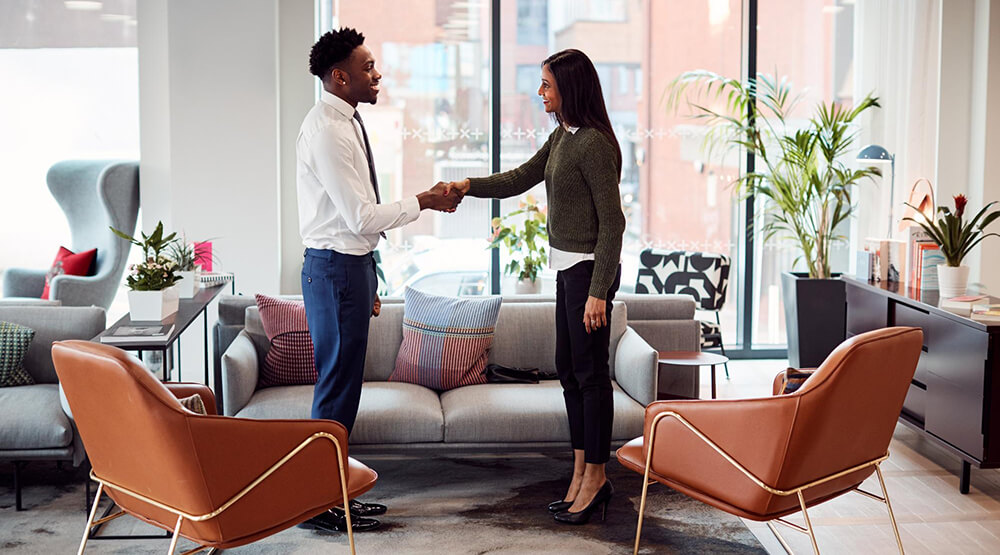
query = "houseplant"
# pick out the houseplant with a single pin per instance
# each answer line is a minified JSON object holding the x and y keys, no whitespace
{"x":184,"y":255}
{"x":151,"y":293}
{"x":803,"y":187}
{"x":956,"y":238}
{"x":524,"y":234}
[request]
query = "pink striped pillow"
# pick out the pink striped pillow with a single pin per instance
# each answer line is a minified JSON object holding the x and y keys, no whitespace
{"x":446,"y":340}
{"x":290,"y":359}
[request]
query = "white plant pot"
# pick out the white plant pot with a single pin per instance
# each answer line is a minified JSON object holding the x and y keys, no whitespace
{"x":952,"y":280}
{"x":528,"y":287}
{"x":188,"y":285}
{"x":150,"y":306}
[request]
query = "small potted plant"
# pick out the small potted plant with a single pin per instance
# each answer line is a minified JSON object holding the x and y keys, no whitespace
{"x":956,"y":238}
{"x":525,"y":242}
{"x":184,"y":255}
{"x":151,"y":293}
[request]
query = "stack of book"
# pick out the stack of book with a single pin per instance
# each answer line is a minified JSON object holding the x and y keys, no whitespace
{"x":924,"y":257}
{"x":214,"y":278}
{"x":137,"y":333}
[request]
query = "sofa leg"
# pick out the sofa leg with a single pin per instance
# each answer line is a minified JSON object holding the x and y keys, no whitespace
{"x":17,"y":485}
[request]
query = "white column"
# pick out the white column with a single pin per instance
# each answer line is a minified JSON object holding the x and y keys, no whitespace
{"x":214,"y":140}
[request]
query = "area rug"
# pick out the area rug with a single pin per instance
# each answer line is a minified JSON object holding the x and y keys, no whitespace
{"x":437,"y":504}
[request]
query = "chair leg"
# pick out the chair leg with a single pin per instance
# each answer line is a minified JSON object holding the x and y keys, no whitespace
{"x":892,"y":518}
{"x":177,"y":533}
{"x":17,"y":485}
{"x":781,"y":540}
{"x":642,"y":510}
{"x":809,"y":526}
{"x":722,"y":344}
{"x":90,"y":520}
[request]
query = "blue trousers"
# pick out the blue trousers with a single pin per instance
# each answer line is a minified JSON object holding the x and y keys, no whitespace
{"x":339,"y":291}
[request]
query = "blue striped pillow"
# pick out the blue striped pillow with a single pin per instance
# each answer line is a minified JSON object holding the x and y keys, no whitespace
{"x":446,"y":340}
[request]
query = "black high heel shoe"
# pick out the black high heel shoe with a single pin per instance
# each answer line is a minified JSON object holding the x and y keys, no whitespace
{"x":559,"y":506}
{"x":601,"y":499}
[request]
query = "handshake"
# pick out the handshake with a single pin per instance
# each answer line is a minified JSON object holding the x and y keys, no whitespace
{"x":443,"y":196}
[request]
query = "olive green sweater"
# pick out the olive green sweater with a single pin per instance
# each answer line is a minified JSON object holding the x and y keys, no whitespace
{"x":581,"y":177}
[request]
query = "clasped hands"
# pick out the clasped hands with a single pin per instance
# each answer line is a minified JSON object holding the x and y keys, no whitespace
{"x":444,"y":196}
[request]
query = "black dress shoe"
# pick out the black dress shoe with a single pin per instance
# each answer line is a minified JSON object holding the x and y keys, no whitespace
{"x":559,"y":506}
{"x":335,"y":521}
{"x":600,"y":499}
{"x":367,"y":509}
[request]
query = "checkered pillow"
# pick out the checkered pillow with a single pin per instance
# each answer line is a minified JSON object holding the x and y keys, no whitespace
{"x":14,"y":341}
{"x":446,"y":340}
{"x":290,"y":359}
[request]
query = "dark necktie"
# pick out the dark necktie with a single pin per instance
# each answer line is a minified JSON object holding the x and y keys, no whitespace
{"x":371,"y":161}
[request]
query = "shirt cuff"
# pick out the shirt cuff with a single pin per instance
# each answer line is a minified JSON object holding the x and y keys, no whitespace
{"x":412,"y":207}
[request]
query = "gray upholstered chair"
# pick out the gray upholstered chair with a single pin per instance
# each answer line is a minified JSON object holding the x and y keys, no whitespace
{"x":33,"y":423}
{"x":94,"y":194}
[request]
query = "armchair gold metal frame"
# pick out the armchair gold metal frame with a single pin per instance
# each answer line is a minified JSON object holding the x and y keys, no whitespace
{"x":808,"y":529}
{"x":181,"y":515}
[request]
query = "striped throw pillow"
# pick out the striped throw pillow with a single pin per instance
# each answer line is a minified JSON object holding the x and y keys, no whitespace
{"x":290,"y":359}
{"x":446,"y":340}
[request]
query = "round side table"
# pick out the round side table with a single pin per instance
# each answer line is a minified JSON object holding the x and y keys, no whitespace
{"x":693,"y":358}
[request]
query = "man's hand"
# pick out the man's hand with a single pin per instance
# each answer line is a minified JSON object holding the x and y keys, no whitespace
{"x":461,"y":187}
{"x":594,"y":314}
{"x":435,"y":199}
{"x":377,"y":306}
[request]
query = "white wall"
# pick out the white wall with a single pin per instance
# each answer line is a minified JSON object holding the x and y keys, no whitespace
{"x":213,"y":139}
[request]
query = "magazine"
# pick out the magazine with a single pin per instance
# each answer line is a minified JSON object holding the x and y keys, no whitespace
{"x":137,"y":333}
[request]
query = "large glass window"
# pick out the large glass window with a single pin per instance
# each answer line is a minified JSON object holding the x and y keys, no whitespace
{"x":70,"y":90}
{"x":431,"y":123}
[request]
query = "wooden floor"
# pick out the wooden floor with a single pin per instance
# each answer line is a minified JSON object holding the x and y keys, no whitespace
{"x":922,"y":480}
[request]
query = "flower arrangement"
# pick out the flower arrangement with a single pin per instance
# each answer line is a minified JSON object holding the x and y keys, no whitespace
{"x":955,"y":236}
{"x":156,"y":272}
{"x":525,"y":242}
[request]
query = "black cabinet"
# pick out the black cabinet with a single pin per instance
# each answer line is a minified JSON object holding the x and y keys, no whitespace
{"x":954,"y":397}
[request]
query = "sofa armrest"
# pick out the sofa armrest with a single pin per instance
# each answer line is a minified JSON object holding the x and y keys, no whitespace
{"x":23,"y":282}
{"x":635,"y":367}
{"x":239,"y":374}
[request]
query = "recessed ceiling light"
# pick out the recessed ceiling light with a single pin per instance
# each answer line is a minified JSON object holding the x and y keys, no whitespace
{"x":115,"y":17}
{"x":83,"y":5}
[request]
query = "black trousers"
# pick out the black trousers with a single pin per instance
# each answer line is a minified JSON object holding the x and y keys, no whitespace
{"x":582,"y":363}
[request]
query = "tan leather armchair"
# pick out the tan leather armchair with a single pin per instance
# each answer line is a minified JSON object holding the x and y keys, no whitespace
{"x":218,"y":481}
{"x":766,"y":458}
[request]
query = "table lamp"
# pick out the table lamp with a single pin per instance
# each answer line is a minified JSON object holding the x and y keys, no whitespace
{"x":876,"y":152}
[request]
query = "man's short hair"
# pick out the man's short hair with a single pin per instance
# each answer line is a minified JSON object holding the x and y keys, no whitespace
{"x":333,"y":48}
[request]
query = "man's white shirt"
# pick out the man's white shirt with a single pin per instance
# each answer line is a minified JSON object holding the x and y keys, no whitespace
{"x":338,"y":209}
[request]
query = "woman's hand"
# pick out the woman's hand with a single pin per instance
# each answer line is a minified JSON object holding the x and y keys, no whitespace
{"x":461,"y":186}
{"x":594,"y":314}
{"x":377,"y":306}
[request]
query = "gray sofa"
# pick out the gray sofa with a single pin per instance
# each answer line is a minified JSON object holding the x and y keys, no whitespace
{"x":398,"y":416}
{"x":33,"y":424}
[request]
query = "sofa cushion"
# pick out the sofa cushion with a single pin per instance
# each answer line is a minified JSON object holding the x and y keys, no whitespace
{"x":526,"y":335}
{"x":53,"y":323}
{"x":14,"y":342}
{"x":515,"y":413}
{"x":289,"y":361}
{"x":389,"y":412}
{"x":446,"y":340}
{"x":32,"y":418}
{"x":69,"y":263}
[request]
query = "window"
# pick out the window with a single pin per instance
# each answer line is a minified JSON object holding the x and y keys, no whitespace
{"x":70,"y":91}
{"x":532,"y":22}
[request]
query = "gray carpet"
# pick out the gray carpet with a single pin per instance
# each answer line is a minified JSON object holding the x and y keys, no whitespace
{"x":453,"y":504}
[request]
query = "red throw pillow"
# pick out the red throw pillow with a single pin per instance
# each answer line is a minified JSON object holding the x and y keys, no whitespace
{"x":290,"y":359}
{"x":69,"y":263}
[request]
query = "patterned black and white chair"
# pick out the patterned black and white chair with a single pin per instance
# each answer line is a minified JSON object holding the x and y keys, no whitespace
{"x":702,"y":275}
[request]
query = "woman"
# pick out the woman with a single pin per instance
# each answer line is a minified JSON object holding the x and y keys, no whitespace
{"x":580,"y":164}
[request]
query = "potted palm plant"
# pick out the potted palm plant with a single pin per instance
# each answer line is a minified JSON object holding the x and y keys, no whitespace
{"x":956,"y":238}
{"x":803,"y":187}
{"x":524,"y":234}
{"x":151,"y":295}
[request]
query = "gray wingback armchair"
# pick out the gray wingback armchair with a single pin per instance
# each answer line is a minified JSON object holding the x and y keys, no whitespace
{"x":94,"y":194}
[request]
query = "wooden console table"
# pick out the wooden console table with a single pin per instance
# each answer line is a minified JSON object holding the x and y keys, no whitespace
{"x":954,"y":398}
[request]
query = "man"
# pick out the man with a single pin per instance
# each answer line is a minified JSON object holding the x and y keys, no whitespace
{"x":341,"y":218}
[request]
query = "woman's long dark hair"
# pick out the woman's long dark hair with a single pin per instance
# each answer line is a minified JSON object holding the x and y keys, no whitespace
{"x":582,"y":99}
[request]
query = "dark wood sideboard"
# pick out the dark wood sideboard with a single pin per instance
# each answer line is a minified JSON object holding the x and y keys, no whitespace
{"x":954,"y":398}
